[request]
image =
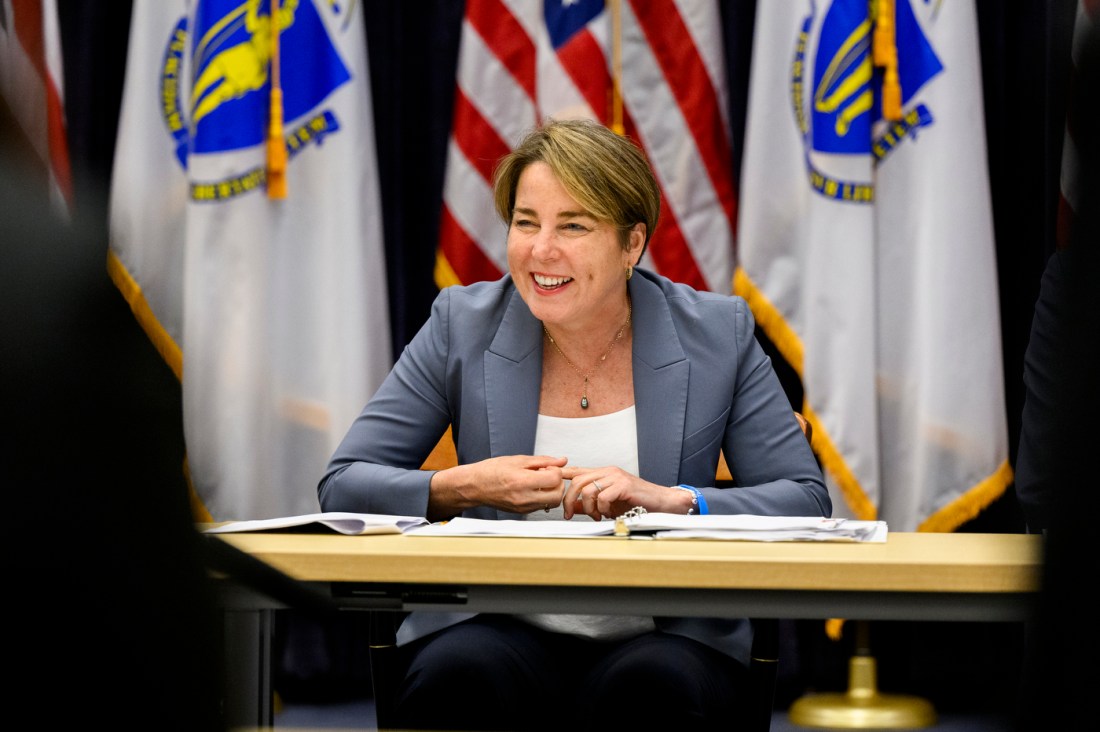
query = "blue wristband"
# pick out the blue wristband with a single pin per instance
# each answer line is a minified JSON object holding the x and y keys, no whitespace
{"x":698,"y":502}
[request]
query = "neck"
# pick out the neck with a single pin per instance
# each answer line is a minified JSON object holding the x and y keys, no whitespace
{"x":589,"y":343}
{"x":592,"y":346}
{"x":584,"y":373}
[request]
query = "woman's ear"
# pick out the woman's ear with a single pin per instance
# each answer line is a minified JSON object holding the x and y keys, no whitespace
{"x":637,"y":243}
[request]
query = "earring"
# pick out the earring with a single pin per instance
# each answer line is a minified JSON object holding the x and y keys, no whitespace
{"x":629,"y":271}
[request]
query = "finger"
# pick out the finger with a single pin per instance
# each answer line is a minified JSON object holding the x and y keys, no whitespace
{"x":572,"y":500}
{"x":571,"y":472}
{"x":568,"y":503}
{"x":589,"y":504}
{"x":549,"y":479}
{"x":613,"y":501}
{"x":539,"y":462}
{"x":601,"y":502}
{"x":544,"y":500}
{"x":574,"y":496}
{"x":589,"y":496}
{"x":574,"y":505}
{"x":592,"y":497}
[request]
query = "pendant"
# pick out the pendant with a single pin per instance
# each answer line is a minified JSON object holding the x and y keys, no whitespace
{"x":584,"y":402}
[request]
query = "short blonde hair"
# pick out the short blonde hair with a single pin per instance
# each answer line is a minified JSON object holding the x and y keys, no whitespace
{"x":606,"y":173}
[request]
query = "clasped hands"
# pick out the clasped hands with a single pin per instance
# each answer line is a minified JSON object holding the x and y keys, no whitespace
{"x":528,"y":483}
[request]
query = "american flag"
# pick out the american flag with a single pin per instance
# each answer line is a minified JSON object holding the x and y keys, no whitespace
{"x":32,"y":84}
{"x":522,"y":62}
{"x":1088,"y":12}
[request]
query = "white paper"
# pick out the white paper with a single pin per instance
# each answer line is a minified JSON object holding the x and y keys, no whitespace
{"x":515,"y":527}
{"x":742,"y":527}
{"x":340,"y":521}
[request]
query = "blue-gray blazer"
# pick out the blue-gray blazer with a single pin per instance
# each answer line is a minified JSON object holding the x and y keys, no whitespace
{"x":701,"y":384}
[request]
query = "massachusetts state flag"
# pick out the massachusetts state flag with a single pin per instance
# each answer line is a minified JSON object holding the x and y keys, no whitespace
{"x":866,"y":250}
{"x":522,"y":62}
{"x":272,"y":311}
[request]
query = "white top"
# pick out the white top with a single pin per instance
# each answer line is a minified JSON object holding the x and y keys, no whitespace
{"x":592,"y":442}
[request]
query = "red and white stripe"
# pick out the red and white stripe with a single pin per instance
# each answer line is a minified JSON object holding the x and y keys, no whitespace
{"x":510,"y":78}
{"x":1087,"y":13}
{"x":31,"y":82}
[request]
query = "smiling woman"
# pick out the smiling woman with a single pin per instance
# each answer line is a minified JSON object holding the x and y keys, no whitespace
{"x":577,"y":387}
{"x":571,"y":249}
{"x":570,"y":268}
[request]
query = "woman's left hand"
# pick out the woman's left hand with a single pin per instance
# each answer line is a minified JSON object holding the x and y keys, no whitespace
{"x":611,"y":491}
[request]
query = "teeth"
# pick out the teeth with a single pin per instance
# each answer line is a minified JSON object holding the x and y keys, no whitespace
{"x":545,"y":281}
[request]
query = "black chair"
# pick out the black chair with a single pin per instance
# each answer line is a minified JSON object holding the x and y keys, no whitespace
{"x":382,"y":639}
{"x":763,"y":668}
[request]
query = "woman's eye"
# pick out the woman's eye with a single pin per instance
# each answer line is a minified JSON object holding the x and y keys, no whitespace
{"x":574,"y":228}
{"x":524,"y":224}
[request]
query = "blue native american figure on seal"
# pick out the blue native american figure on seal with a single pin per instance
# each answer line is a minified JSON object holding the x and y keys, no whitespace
{"x":867,"y":59}
{"x":227,"y":105}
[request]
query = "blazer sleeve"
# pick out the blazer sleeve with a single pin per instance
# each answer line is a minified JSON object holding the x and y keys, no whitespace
{"x":773,"y":467}
{"x":376,"y":467}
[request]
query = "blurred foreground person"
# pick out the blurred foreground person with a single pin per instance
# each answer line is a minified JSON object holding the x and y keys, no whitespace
{"x":1056,"y":468}
{"x":107,"y":599}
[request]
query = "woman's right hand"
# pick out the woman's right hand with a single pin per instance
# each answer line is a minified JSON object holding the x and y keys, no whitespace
{"x":513,"y":483}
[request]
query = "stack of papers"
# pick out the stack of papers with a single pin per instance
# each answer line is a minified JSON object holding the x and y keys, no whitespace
{"x":739,"y":527}
{"x":641,"y":525}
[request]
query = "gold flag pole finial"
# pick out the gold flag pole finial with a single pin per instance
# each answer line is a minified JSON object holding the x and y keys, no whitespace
{"x":616,"y":68}
{"x":276,"y":146}
{"x":885,"y":52}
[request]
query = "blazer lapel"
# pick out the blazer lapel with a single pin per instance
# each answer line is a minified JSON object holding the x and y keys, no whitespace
{"x":513,"y":373}
{"x":660,"y":384}
{"x":513,"y":376}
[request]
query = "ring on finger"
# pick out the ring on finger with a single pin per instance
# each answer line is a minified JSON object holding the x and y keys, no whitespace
{"x":598,"y":486}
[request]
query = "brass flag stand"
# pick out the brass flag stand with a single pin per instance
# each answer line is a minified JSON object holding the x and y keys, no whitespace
{"x":862,"y":706}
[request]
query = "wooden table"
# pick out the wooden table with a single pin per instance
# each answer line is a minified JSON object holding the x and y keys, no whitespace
{"x":912,"y":576}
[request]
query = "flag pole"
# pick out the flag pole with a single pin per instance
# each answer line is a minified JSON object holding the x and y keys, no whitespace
{"x":862,"y":706}
{"x":276,"y":147}
{"x":616,"y":68}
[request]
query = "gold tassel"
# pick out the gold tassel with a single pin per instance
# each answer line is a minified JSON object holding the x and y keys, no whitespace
{"x":276,"y":146}
{"x":885,"y":52}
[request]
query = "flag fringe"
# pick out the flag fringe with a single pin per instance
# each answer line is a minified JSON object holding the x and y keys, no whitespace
{"x":131,"y":292}
{"x":166,"y":347}
{"x":947,"y":519}
{"x":971,"y":503}
{"x":444,"y":273}
{"x":787,"y":342}
{"x":834,"y":463}
{"x":769,"y":319}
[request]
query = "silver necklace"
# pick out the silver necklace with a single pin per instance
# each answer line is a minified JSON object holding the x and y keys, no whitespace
{"x":586,"y":376}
